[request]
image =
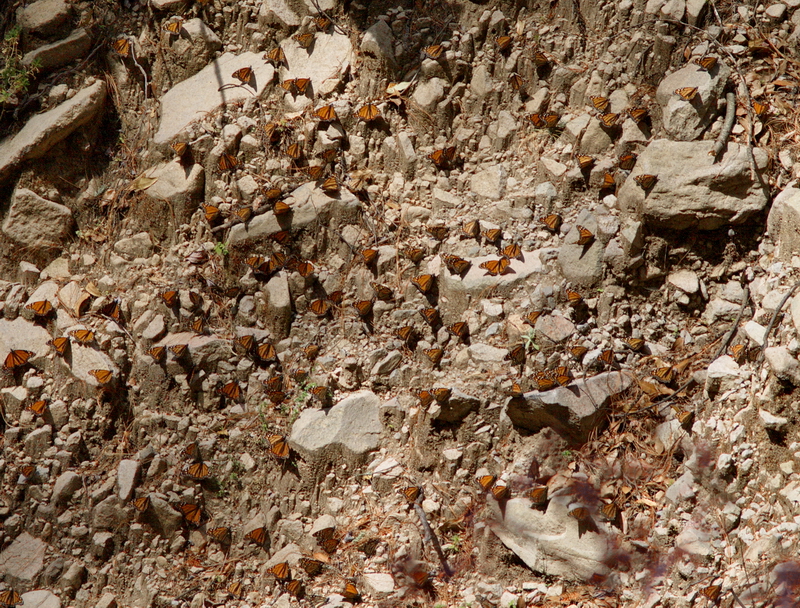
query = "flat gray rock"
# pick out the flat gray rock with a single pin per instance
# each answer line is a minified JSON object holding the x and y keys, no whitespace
{"x":20,"y":334}
{"x":66,"y":485}
{"x":45,"y":17}
{"x":181,"y":186}
{"x":35,"y":222}
{"x":23,"y":559}
{"x":686,"y":120}
{"x":353,"y":425}
{"x":573,"y":411}
{"x":45,"y":130}
{"x":199,"y":95}
{"x":40,"y":598}
{"x":326,"y":64}
{"x":86,"y":358}
{"x":691,"y":190}
{"x":783,"y":223}
{"x":61,"y":52}
{"x":127,"y":476}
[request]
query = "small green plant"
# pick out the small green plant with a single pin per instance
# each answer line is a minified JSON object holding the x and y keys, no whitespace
{"x":221,"y":249}
{"x":567,"y":453}
{"x":456,"y":542}
{"x":529,"y":339}
{"x":15,"y":78}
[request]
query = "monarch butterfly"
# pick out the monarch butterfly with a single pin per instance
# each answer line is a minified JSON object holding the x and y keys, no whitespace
{"x":578,"y":352}
{"x":275,"y":383}
{"x":198,"y":325}
{"x":212,"y":214}
{"x":609,"y":511}
{"x":515,"y":391}
{"x":493,"y":235}
{"x":245,"y":213}
{"x":425,"y":397}
{"x":512,"y":251}
{"x":585,"y":161}
{"x":16,"y":359}
{"x":638,"y":114}
{"x":276,"y":55}
{"x":573,"y":297}
{"x":276,"y":397}
{"x":337,"y":297}
{"x":298,"y":374}
{"x":350,"y":592}
{"x":431,"y":316}
{"x":314,"y":171}
{"x":103,"y":376}
{"x":278,"y":446}
{"x":552,"y":222}
{"x":192,"y":450}
{"x":433,"y":51}
{"x":456,"y":264}
{"x":443,"y":156}
{"x":311,"y":351}
{"x":236,"y":589}
{"x":243,"y":75}
{"x":231,"y":390}
{"x":580,"y":513}
{"x":516,"y":82}
{"x":665,"y":374}
{"x":540,"y":59}
{"x":311,"y":566}
{"x":434,"y":354}
{"x":301,"y":84}
{"x":516,"y":355}
{"x":197,"y":471}
{"x":442,"y":395}
{"x":296,"y":589}
{"x":562,"y":375}
{"x":646,"y":181}
{"x":321,"y":393}
{"x":179,"y":350}
{"x":496,"y":267}
{"x":486,"y":482}
{"x":739,"y":352}
{"x":608,"y":181}
{"x":38,"y":407}
{"x":304,"y":40}
{"x":585,"y":236}
{"x":305,"y":268}
{"x":258,"y":535}
{"x":369,"y":255}
{"x":627,"y":161}
{"x":600,"y":103}
{"x":329,"y":155}
{"x":411,"y":493}
{"x":327,"y":539}
{"x":503,"y":43}
{"x":607,"y":357}
{"x":42,"y":308}
{"x":459,"y":330}
{"x":142,"y":503}
{"x":537,"y":495}
{"x":500,"y":492}
{"x":544,"y":121}
{"x":707,"y":63}
{"x":280,"y":571}
{"x":294,"y":151}
{"x":10,"y":598}
{"x":712,"y":592}
{"x":544,"y":382}
{"x":254,"y":261}
{"x":363,"y":307}
{"x":180,"y":148}
{"x":290,"y":85}
{"x":368,"y":112}
{"x":28,"y":471}
{"x":533,"y":316}
{"x":330,"y":185}
{"x":174,"y":27}
{"x":266,"y":352}
{"x":326,"y":113}
{"x":281,"y":208}
{"x":424,"y":283}
{"x":192,"y":512}
{"x":382,"y":292}
{"x":322,"y":22}
{"x":420,"y":578}
{"x":760,"y":109}
{"x":635,"y":344}
{"x":471,"y":229}
{"x":122,"y":46}
{"x":83,"y":336}
{"x":227,"y":162}
{"x":686,"y":418}
{"x":283,"y":237}
{"x":60,"y":345}
{"x":319,"y":307}
{"x":415,"y":254}
{"x":686,"y":93}
{"x":609,"y":119}
{"x":112,"y":310}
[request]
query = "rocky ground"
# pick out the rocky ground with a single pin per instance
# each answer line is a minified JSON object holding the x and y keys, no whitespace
{"x":399,"y":303}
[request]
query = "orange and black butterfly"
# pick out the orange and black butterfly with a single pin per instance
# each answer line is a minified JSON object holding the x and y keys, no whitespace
{"x":113,"y":310}
{"x":562,"y":375}
{"x":532,"y":317}
{"x":646,"y":181}
{"x":368,"y":112}
{"x":382,"y":292}
{"x":760,"y":108}
{"x":581,"y":514}
{"x":174,"y":27}
{"x":38,"y":407}
{"x":315,"y":172}
{"x":442,"y":157}
{"x":600,"y":103}
{"x":192,"y":450}
{"x":304,"y":40}
{"x":28,"y":471}
{"x":500,"y":492}
{"x":212,"y":214}
{"x":607,"y":357}
{"x":336,"y":297}
{"x":431,"y":316}
{"x":544,"y":121}
{"x":411,"y":493}
{"x":503,"y":43}
{"x":327,"y":539}
{"x":231,"y":390}
{"x":321,"y":394}
{"x":192,"y":512}
{"x":424,"y":283}
{"x":369,"y":255}
{"x":322,"y":22}
{"x":609,"y":119}
{"x":434,"y":354}
{"x":10,"y":598}
{"x":266,"y":352}
{"x":275,"y":383}
{"x":319,"y":307}
{"x":493,"y":235}
{"x":60,"y":345}
{"x":236,"y":589}
{"x":635,"y":344}
{"x":609,"y":511}
{"x":326,"y":113}
{"x":638,"y":114}
{"x":686,"y":93}
{"x":455,"y":264}
{"x":486,"y":482}
{"x":516,"y":355}
{"x":459,"y":330}
{"x":573,"y":297}
{"x":585,"y":161}
{"x":278,"y":446}
{"x":244,"y":213}
{"x":609,"y":181}
{"x":296,"y":589}
{"x":627,"y":161}
{"x":294,"y":151}
{"x":227,"y":162}
{"x":244,"y":75}
{"x":496,"y":267}
{"x":515,"y":391}
{"x":142,"y":503}
{"x":471,"y":229}
{"x":276,"y":397}
{"x":103,"y":376}
{"x":16,"y":359}
{"x":585,"y":236}
{"x":540,"y":59}
{"x":180,"y":148}
{"x":708,"y":62}
{"x":425,"y":397}
{"x":537,"y":495}
{"x":516,"y":82}
{"x":330,"y":155}
{"x":280,"y":571}
{"x":221,"y":534}
{"x":311,"y":351}
{"x":312,"y":566}
{"x":198,"y":325}
{"x":82,"y":336}
{"x":350,"y":593}
{"x":512,"y":251}
{"x":433,"y":51}
{"x":544,"y":381}
{"x":442,"y":395}
{"x":258,"y":535}
{"x":281,"y":208}
{"x":363,"y":307}
{"x":283,"y":237}
{"x":122,"y":46}
{"x":301,"y":84}
{"x":197,"y":471}
{"x":330,"y":185}
{"x":712,"y":592}
{"x":415,"y":254}
{"x":665,"y":374}
{"x":552,"y":222}
{"x":179,"y":350}
{"x":276,"y":55}
{"x":41,"y":308}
